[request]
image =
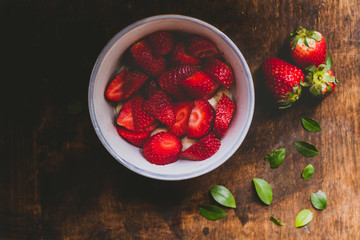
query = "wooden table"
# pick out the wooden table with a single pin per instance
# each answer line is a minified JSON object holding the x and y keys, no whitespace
{"x":57,"y":181}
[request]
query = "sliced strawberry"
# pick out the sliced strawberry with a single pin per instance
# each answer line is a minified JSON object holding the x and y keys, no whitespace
{"x":141,"y":118}
{"x":198,"y":85}
{"x":135,"y":138}
{"x":162,"y":148}
{"x":162,"y":42}
{"x":201,"y":119}
{"x":179,"y":56}
{"x":201,"y":48}
{"x":224,"y":112}
{"x":203,"y":149}
{"x":219,"y":71}
{"x":125,"y":117}
{"x":182,"y":112}
{"x":152,"y":126}
{"x":170,"y":80}
{"x":124,"y":84}
{"x":161,"y":107}
{"x":144,"y":58}
{"x":149,"y":88}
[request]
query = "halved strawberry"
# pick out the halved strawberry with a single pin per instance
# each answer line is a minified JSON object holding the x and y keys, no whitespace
{"x":162,"y":148}
{"x":124,"y":84}
{"x":219,"y":71}
{"x":160,"y":106}
{"x":201,"y":48}
{"x":224,"y":112}
{"x":203,"y":149}
{"x":125,"y":117}
{"x":141,"y":118}
{"x":144,"y":58}
{"x":179,"y":56}
{"x":149,"y":88}
{"x":199,"y":85}
{"x":182,"y":112}
{"x":135,"y":138}
{"x":201,"y":119}
{"x":170,"y":80}
{"x":162,"y":42}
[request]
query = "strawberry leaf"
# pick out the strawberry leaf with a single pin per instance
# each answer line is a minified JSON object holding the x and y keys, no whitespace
{"x":319,"y":200}
{"x":306,"y":42}
{"x":275,"y":158}
{"x":306,"y":149}
{"x":310,"y":124}
{"x":314,"y":36}
{"x":211,"y":212}
{"x":223,"y":196}
{"x":303,"y":218}
{"x":328,"y":63}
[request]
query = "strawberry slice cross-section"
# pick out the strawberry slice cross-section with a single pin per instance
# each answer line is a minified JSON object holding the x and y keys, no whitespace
{"x":125,"y":84}
{"x":201,"y":119}
{"x":162,"y":148}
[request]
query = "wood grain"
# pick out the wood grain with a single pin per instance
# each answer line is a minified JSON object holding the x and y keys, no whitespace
{"x":58,"y":182}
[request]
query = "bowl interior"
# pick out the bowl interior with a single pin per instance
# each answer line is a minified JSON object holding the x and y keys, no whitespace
{"x":103,"y":115}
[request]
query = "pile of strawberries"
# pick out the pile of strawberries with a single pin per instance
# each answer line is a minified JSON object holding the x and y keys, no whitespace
{"x":174,"y":98}
{"x":308,"y":52}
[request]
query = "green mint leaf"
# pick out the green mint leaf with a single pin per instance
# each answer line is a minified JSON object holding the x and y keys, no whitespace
{"x":303,"y":218}
{"x":263,"y":190}
{"x":277,"y":222}
{"x":211,"y":212}
{"x":275,"y":158}
{"x":223,"y":196}
{"x":318,"y":200}
{"x":306,"y":149}
{"x":308,"y":172}
{"x":310,"y":124}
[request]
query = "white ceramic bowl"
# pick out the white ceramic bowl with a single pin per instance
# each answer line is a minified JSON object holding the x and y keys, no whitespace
{"x":103,"y":115}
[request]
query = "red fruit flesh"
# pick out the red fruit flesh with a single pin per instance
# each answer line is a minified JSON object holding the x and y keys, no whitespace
{"x":220,"y":71}
{"x":180,"y":57}
{"x":162,"y":148}
{"x":144,"y":58}
{"x":135,"y":138}
{"x":182,"y":113}
{"x":283,"y":80}
{"x":313,"y":54}
{"x":198,"y":85}
{"x":141,"y":118}
{"x":224,"y":112}
{"x":162,"y":42}
{"x":170,"y":80}
{"x":201,"y":119}
{"x":149,"y":88}
{"x":203,"y":149}
{"x":161,"y":107}
{"x":201,"y":48}
{"x":125,"y":84}
{"x":125,"y":117}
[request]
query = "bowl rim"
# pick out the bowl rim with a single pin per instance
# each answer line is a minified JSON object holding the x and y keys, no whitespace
{"x":161,"y":176}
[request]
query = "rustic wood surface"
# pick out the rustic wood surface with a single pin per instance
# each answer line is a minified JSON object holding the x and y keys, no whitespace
{"x":57,"y":181}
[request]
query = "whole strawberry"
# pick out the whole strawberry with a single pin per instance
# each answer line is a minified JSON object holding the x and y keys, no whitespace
{"x":321,"y":79}
{"x":307,"y":48}
{"x":283,"y":81}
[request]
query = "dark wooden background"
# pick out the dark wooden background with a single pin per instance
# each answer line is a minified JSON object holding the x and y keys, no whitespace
{"x":58,"y":182}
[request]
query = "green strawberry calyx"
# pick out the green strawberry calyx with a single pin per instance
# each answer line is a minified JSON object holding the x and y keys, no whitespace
{"x":290,"y":98}
{"x":302,"y":33}
{"x":317,"y":78}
